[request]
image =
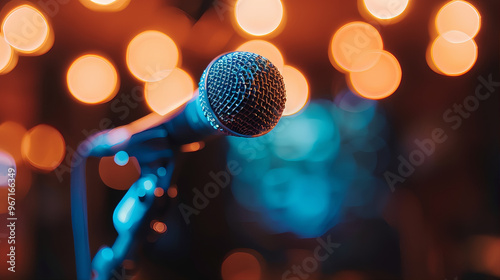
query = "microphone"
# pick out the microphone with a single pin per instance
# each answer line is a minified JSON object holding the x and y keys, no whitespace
{"x":239,"y":94}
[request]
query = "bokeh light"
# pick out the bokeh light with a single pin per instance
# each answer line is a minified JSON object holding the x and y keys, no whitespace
{"x":264,"y":49}
{"x":458,"y":16}
{"x":355,"y":47}
{"x":121,"y":158}
{"x":92,"y":79}
{"x":379,"y":81}
{"x":297,"y":90}
{"x":259,"y":17}
{"x":159,"y":192}
{"x":192,"y":147}
{"x":11,"y":136}
{"x":170,"y":93}
{"x":27,"y":30}
{"x":8,"y":57}
{"x":241,"y":265}
{"x":119,"y":177}
{"x":105,"y":5}
{"x":43,"y":147}
{"x":159,"y":227}
{"x":451,"y":58}
{"x":172,"y":191}
{"x":151,"y":56}
{"x":385,"y":9}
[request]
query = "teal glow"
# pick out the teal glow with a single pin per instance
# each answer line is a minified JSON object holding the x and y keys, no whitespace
{"x":161,"y":171}
{"x":121,"y":158}
{"x":107,"y":254}
{"x":125,"y":211}
{"x":148,"y":184}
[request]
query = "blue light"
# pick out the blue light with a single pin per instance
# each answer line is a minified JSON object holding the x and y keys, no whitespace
{"x":125,"y":211}
{"x":107,"y":253}
{"x":148,"y":184}
{"x":121,"y":158}
{"x":161,"y":171}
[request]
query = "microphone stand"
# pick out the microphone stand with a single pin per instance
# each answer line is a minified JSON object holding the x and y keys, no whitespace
{"x":128,"y":216}
{"x":152,"y":150}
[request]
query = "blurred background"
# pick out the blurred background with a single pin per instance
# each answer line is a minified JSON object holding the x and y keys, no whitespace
{"x":385,"y":164}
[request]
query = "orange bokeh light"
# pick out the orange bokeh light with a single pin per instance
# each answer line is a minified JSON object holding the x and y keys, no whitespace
{"x":159,"y":192}
{"x":264,"y":49}
{"x":119,"y":177}
{"x":259,"y":17}
{"x":105,"y":5}
{"x":458,"y":16}
{"x":355,"y":47}
{"x":192,"y":147}
{"x":43,"y":147}
{"x":241,"y":265}
{"x":151,"y":56}
{"x":170,"y":93}
{"x":449,"y":58}
{"x":92,"y":79}
{"x":380,"y":81}
{"x":385,"y":9}
{"x":8,"y":57}
{"x":297,"y":90}
{"x":159,"y":227}
{"x":27,"y":30}
{"x":11,"y":136}
{"x":172,"y":191}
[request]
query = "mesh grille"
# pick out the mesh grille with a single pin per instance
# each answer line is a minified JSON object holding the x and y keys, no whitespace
{"x":244,"y":92}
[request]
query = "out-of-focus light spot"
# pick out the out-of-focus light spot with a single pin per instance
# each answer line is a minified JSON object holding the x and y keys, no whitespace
{"x":159,"y":227}
{"x":43,"y":147}
{"x":379,"y":81}
{"x":241,"y":265}
{"x":484,"y":254}
{"x":192,"y":147}
{"x":161,"y":171}
{"x":107,"y":254}
{"x":297,"y":90}
{"x":27,"y":30}
{"x":92,"y":79}
{"x":170,"y":93}
{"x":452,"y":59}
{"x":458,"y":16}
{"x":11,"y":136}
{"x":172,"y":191}
{"x":159,"y":192}
{"x":8,"y":57}
{"x":385,"y":9}
{"x":320,"y":138}
{"x":259,"y":17}
{"x":121,"y":158}
{"x":355,"y":47}
{"x":117,"y":136}
{"x":148,"y":184}
{"x":105,"y":5}
{"x":125,"y":212}
{"x":264,"y":49}
{"x":152,"y":56}
{"x":119,"y":177}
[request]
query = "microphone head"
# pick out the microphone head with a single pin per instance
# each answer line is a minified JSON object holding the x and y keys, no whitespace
{"x":242,"y":94}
